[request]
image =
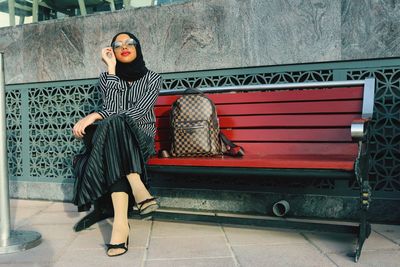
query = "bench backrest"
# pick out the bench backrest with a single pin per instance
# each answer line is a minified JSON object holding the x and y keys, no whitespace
{"x":290,"y":122}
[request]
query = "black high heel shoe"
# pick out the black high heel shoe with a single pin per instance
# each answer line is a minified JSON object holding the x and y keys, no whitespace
{"x":123,"y":246}
{"x":148,"y":209}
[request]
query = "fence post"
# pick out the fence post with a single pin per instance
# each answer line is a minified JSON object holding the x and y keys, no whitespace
{"x":10,"y":241}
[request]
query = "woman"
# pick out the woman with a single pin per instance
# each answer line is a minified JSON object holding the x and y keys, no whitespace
{"x":123,"y":138}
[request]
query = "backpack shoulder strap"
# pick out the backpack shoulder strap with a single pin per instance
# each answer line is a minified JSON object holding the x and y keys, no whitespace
{"x":231,"y":148}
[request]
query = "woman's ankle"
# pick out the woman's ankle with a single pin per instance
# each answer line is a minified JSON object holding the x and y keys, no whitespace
{"x":120,"y":231}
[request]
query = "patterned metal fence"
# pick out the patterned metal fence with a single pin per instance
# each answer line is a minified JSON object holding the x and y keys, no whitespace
{"x":40,"y":117}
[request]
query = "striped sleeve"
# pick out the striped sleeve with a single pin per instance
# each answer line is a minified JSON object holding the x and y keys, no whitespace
{"x":146,"y":100}
{"x":108,"y":86}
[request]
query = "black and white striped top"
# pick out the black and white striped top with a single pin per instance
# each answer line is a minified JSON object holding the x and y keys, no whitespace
{"x":135,"y":100}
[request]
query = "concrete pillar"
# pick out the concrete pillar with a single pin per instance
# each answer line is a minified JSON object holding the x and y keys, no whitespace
{"x":82,"y":7}
{"x":11,"y":12}
{"x":35,"y":10}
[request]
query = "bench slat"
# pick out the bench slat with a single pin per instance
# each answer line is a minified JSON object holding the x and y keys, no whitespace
{"x":281,"y":108}
{"x":265,"y":135}
{"x":273,"y":161}
{"x":276,"y":96}
{"x":291,"y":108}
{"x":268,"y":121}
{"x":280,"y":148}
{"x":297,"y":135}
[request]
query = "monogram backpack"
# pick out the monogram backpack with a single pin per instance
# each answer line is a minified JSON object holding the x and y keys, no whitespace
{"x":195,"y":128}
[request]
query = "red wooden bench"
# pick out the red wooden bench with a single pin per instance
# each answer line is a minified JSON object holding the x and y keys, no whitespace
{"x":298,"y":130}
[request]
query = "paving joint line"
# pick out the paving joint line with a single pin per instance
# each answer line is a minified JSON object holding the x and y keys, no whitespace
{"x":25,"y":223}
{"x":386,"y":237}
{"x":235,"y":260}
{"x":61,"y":253}
{"x":147,"y":244}
{"x":319,"y":249}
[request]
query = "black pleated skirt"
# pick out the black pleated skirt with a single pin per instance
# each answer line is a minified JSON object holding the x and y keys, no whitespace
{"x":114,"y":147}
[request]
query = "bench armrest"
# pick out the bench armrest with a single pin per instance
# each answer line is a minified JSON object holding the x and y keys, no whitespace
{"x":359,"y":129}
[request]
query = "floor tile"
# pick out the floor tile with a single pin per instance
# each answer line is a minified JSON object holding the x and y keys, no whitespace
{"x":391,"y":232}
{"x":198,"y":262}
{"x":376,"y":241}
{"x":22,"y":215}
{"x":188,"y":247}
{"x":15,"y":203}
{"x":51,"y":231}
{"x":379,"y":258}
{"x":280,"y":255}
{"x":47,"y":251}
{"x":176,"y":229}
{"x":247,"y":236}
{"x":99,"y":234}
{"x":61,"y":206}
{"x":30,"y":264}
{"x":333,"y":242}
{"x":99,"y":258}
{"x":57,"y":217}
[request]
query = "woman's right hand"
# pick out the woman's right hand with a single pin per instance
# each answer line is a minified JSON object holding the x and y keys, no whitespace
{"x":108,"y":56}
{"x":79,"y":127}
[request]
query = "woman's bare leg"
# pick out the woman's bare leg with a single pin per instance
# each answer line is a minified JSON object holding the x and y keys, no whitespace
{"x":139,"y":190}
{"x":120,"y":229}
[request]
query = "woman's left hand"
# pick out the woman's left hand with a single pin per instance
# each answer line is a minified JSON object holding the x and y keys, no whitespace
{"x":108,"y":56}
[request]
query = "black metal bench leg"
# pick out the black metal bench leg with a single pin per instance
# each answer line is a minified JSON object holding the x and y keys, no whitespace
{"x":363,"y":234}
{"x":365,"y":227}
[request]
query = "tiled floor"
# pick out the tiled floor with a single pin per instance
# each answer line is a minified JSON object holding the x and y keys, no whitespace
{"x":163,"y":243}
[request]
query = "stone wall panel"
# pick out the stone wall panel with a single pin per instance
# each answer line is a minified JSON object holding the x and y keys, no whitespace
{"x":206,"y":34}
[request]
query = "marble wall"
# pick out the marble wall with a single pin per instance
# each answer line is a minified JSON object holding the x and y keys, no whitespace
{"x":370,"y":29}
{"x":206,"y":34}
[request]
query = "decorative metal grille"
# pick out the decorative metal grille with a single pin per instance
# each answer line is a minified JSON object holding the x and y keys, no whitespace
{"x":14,"y":138}
{"x":40,"y":118}
{"x":385,"y":143}
{"x":52,"y":113}
{"x":246,"y":79}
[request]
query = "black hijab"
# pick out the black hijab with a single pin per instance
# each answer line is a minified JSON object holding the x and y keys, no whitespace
{"x":134,"y":70}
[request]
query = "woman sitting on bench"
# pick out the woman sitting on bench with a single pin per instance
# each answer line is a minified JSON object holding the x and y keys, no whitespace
{"x":120,"y":142}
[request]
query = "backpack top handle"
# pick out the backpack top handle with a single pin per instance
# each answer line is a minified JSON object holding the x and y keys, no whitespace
{"x":189,"y":91}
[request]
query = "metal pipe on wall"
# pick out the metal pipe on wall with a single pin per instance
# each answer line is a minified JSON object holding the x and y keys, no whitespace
{"x":10,"y":241}
{"x":281,"y":208}
{"x":4,"y":197}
